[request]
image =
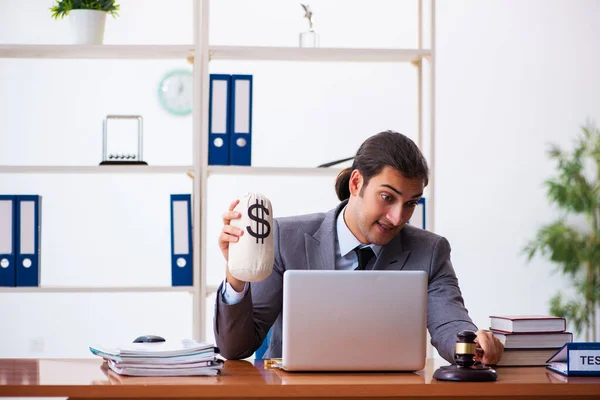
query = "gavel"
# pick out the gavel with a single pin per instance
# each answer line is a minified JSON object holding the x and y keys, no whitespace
{"x":466,"y":348}
{"x":465,"y":369}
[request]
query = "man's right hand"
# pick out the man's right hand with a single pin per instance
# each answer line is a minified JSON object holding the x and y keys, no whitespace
{"x":228,"y":235}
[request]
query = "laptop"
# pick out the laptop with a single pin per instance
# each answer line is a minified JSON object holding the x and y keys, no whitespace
{"x":354,"y":320}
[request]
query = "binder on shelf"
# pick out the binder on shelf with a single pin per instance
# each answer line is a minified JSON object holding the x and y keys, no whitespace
{"x":240,"y":145}
{"x":7,"y":240}
{"x":181,"y":240}
{"x":418,"y":218}
{"x":218,"y":119}
{"x":576,"y":359}
{"x":28,"y":229}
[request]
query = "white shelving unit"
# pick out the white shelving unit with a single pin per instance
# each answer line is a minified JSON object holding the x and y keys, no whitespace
{"x":201,"y":53}
{"x":100,"y":289}
{"x":128,"y":52}
{"x":105,"y":169}
{"x":222,"y":170}
{"x":149,"y":52}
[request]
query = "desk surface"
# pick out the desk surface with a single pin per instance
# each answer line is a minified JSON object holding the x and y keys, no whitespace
{"x":87,"y":378}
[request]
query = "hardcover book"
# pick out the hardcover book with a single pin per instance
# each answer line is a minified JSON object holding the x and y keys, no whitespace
{"x":527,"y":323}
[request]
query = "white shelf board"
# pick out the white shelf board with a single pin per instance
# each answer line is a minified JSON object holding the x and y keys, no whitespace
{"x":150,"y":52}
{"x":315,"y":54}
{"x":210,"y":289}
{"x":284,"y":171}
{"x":105,"y":51}
{"x":92,"y":289}
{"x":104,"y":169}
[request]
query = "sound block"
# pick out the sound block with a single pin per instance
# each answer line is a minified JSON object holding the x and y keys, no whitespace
{"x":123,"y":163}
{"x":476,"y":373}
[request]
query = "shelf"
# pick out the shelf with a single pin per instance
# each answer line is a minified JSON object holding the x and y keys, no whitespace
{"x":105,"y":169}
{"x":249,"y":53}
{"x":230,"y":170}
{"x":167,"y":169}
{"x":91,"y":289}
{"x":106,"y":51}
{"x":210,"y":289}
{"x":318,"y":54}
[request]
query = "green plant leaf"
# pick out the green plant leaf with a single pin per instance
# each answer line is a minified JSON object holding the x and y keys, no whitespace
{"x":576,"y":251}
{"x":573,"y":311}
{"x":62,"y":7}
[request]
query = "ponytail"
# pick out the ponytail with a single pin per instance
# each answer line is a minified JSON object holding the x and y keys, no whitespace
{"x":342,"y":184}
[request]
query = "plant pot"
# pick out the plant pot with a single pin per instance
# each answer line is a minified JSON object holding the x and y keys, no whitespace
{"x":87,"y":26}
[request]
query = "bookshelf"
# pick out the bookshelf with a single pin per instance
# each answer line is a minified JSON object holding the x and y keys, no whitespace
{"x":201,"y":53}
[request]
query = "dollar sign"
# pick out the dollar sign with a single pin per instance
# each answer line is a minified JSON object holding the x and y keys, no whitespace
{"x":262,"y":225}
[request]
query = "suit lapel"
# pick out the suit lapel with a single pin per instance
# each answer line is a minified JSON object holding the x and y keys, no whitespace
{"x":393,"y":255}
{"x":320,"y":247}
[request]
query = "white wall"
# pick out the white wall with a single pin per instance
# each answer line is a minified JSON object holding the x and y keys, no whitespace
{"x":510,"y":76}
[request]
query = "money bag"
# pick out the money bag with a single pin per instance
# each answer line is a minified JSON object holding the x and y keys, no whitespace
{"x":251,"y":258}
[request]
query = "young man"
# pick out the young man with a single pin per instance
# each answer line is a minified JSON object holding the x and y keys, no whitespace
{"x":378,"y":196}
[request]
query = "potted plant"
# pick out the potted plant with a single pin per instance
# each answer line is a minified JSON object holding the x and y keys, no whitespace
{"x":309,"y":38}
{"x":88,"y":18}
{"x":573,"y":245}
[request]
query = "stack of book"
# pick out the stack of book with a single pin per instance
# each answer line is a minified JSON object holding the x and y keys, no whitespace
{"x":529,"y":340}
{"x":179,"y":358}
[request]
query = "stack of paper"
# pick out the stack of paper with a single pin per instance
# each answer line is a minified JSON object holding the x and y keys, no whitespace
{"x":171,"y":358}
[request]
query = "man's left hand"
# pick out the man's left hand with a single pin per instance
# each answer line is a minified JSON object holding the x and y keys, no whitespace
{"x":491,"y":346}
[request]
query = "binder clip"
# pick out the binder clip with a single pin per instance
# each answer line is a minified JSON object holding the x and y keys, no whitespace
{"x":122,"y":157}
{"x":465,"y":369}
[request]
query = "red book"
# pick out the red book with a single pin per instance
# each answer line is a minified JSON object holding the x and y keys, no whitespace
{"x":527,"y":323}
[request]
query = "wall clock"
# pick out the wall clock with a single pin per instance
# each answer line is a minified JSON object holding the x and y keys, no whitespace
{"x":175,"y":92}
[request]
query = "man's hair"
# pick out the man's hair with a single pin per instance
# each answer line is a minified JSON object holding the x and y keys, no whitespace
{"x":391,"y":149}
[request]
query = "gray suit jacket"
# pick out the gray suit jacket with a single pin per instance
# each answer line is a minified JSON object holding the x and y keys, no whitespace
{"x":308,"y":242}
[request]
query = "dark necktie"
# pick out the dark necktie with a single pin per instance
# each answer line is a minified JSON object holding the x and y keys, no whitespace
{"x":364,"y":254}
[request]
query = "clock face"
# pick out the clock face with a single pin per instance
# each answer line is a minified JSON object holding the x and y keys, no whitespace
{"x":175,"y":92}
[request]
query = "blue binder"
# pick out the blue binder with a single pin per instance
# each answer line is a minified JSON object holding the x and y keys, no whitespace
{"x":418,"y":218}
{"x":219,"y":119}
{"x":28,"y":244}
{"x":240,"y":144}
{"x":181,"y":240}
{"x":7,"y":240}
{"x":576,"y":359}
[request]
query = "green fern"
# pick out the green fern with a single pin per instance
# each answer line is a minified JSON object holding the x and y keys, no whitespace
{"x":576,"y":251}
{"x":62,"y":7}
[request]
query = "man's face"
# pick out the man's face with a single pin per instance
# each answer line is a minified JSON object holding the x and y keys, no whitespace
{"x":376,"y":212}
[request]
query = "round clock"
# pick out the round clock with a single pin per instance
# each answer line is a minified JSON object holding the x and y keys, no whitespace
{"x":175,"y":92}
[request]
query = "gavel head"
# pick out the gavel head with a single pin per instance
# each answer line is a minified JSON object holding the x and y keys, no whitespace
{"x":465,"y":349}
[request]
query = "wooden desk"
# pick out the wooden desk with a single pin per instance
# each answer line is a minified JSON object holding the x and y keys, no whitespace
{"x":87,"y":379}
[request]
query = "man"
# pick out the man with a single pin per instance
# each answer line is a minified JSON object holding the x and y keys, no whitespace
{"x":379,"y":194}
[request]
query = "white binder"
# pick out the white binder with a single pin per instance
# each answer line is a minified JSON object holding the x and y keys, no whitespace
{"x":28,"y":212}
{"x":7,"y":240}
